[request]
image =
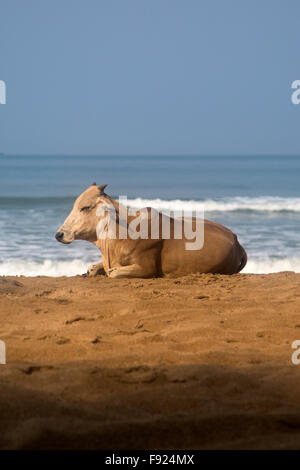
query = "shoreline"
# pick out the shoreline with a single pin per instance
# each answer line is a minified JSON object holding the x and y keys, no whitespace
{"x":103,"y":363}
{"x":77,"y":267}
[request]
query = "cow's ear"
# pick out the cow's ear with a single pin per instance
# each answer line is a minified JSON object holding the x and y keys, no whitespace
{"x":101,"y":188}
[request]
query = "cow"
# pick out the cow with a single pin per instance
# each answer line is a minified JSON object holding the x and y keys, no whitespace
{"x":146,"y":257}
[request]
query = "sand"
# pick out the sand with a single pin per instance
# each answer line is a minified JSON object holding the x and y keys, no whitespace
{"x":199,"y":362}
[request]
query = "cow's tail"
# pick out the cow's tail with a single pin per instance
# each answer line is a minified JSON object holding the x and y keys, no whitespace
{"x":243,"y":259}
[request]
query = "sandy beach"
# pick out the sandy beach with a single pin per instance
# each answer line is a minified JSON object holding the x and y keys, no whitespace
{"x":201,"y":362}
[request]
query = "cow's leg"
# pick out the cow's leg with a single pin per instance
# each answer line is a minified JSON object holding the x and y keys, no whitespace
{"x":95,"y":270}
{"x":133,"y":270}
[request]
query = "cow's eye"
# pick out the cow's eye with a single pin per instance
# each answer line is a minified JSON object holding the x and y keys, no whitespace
{"x":85,"y":208}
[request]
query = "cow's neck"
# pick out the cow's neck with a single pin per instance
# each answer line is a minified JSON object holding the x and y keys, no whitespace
{"x":112,"y":201}
{"x":107,"y":200}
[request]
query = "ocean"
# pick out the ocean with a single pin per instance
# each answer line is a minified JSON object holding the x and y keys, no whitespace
{"x":257,"y":197}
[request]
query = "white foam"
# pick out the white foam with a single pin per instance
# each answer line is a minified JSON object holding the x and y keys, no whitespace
{"x":268,"y":265}
{"x":72,"y":268}
{"x":45,"y":268}
{"x":261,"y":204}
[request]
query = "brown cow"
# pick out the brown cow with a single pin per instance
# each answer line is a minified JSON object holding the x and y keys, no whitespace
{"x":151,"y":257}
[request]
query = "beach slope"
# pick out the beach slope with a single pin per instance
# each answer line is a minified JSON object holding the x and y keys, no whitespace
{"x":202,"y":362}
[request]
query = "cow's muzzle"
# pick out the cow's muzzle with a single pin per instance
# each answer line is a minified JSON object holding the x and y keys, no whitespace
{"x":59,"y":236}
{"x":64,"y":237}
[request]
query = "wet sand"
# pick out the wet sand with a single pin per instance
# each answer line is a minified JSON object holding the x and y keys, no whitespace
{"x":201,"y":362}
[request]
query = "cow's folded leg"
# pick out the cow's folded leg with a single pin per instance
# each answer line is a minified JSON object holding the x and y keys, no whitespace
{"x":95,"y":270}
{"x":133,"y":270}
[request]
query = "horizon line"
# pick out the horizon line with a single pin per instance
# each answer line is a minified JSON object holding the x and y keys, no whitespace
{"x":200,"y":155}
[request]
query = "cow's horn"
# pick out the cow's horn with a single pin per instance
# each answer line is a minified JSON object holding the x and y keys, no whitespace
{"x":102,"y":188}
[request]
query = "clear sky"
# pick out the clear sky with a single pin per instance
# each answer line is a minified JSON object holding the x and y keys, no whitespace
{"x":149,"y":76}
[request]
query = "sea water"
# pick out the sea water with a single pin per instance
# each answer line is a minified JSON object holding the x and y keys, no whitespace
{"x":258,"y":197}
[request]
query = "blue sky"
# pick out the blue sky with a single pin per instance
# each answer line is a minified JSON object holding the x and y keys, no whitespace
{"x":149,"y":76}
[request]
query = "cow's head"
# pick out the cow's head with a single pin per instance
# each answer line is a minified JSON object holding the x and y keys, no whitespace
{"x":82,"y":222}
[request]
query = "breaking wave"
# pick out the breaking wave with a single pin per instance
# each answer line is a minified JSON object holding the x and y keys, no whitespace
{"x":44,"y":268}
{"x":259,"y":204}
{"x":225,"y":204}
{"x":270,"y":265}
{"x":75,"y":267}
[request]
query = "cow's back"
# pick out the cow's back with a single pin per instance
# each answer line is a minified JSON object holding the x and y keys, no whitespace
{"x":220,"y":253}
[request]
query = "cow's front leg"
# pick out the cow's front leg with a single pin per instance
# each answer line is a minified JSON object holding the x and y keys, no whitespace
{"x":133,"y":270}
{"x":95,"y":270}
